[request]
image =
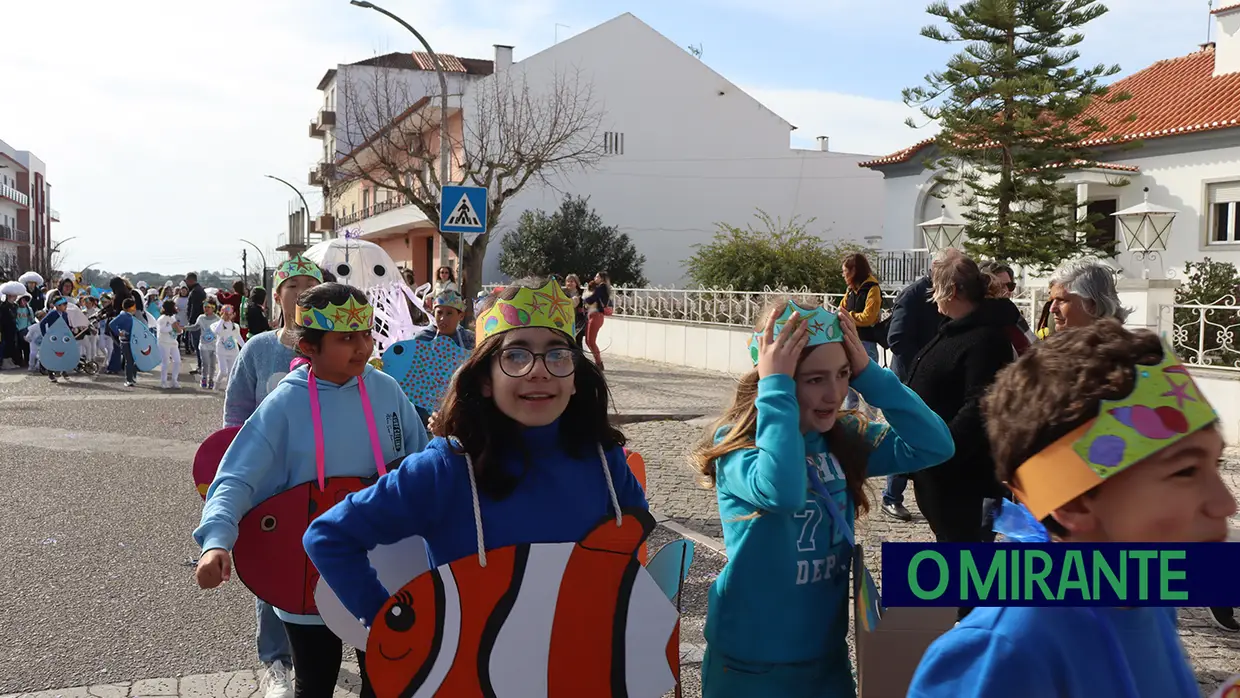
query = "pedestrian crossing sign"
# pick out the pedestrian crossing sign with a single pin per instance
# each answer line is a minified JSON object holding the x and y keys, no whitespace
{"x":463,"y":210}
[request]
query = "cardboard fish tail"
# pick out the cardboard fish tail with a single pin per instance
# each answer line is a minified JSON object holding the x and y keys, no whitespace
{"x":554,"y":620}
{"x":208,"y":456}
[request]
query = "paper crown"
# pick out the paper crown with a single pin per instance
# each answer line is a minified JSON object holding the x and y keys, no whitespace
{"x":297,"y":266}
{"x":350,"y":317}
{"x":532,"y":307}
{"x":1164,"y":406}
{"x":451,"y":299}
{"x":824,"y":327}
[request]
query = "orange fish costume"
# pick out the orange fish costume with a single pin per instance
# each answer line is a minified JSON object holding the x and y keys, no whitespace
{"x":553,"y":620}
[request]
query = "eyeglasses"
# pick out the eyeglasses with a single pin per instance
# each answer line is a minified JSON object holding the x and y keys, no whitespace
{"x":517,"y":362}
{"x":1011,"y":286}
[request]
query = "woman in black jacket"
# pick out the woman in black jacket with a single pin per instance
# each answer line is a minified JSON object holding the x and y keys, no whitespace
{"x":951,"y":374}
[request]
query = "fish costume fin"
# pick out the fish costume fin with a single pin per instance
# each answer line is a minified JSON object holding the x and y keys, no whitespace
{"x":635,"y":526}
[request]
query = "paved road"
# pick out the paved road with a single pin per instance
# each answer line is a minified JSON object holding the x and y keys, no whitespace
{"x":96,"y":510}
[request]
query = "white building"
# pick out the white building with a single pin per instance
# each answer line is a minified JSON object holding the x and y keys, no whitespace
{"x":1188,"y":124}
{"x":686,"y":149}
{"x":26,"y":214}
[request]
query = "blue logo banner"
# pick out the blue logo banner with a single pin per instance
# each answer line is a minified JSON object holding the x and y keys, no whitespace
{"x":1061,"y":574}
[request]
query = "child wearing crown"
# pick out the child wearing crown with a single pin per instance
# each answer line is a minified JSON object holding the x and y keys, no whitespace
{"x":1103,"y":436}
{"x":524,"y":453}
{"x":449,"y":310}
{"x":310,"y":428}
{"x":789,"y":470}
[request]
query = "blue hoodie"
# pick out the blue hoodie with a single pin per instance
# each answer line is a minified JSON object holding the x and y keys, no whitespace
{"x":260,"y":366}
{"x":274,"y":451}
{"x":1022,"y":652}
{"x":558,"y":499}
{"x":783,"y":596}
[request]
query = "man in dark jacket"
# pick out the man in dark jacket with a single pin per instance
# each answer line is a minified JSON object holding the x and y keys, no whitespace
{"x":914,"y":322}
{"x":197,"y":298}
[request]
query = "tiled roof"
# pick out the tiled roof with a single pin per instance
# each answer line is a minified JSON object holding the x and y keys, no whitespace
{"x":422,"y":61}
{"x":1226,"y":8}
{"x":1170,"y":98}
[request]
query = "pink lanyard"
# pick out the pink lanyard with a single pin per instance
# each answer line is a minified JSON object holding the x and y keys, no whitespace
{"x":316,"y":417}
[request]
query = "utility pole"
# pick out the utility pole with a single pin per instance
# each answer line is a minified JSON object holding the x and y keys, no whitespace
{"x":245,"y":267}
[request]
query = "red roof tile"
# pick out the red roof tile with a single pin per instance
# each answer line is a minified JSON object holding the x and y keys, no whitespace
{"x":1170,"y":98}
{"x":1227,"y":8}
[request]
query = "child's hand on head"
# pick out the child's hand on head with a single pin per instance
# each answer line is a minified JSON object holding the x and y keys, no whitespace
{"x":781,"y":354}
{"x":214,"y":568}
{"x":857,"y":358}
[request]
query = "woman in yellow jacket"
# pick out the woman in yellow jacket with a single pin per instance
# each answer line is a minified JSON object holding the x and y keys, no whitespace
{"x":864,"y":303}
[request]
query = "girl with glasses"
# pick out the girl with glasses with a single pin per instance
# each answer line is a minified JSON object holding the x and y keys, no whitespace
{"x":524,"y":453}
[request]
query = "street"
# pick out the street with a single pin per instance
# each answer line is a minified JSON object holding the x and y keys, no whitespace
{"x":97,"y":507}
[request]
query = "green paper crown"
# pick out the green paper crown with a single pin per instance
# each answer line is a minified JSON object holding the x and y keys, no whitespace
{"x":824,"y":327}
{"x":532,"y":307}
{"x":350,"y":317}
{"x":297,"y":266}
{"x":1165,"y":406}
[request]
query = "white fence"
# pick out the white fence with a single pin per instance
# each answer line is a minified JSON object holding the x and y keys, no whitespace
{"x":1204,"y":334}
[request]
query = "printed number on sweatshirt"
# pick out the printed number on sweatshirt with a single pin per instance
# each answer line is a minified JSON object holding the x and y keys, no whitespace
{"x":816,"y":570}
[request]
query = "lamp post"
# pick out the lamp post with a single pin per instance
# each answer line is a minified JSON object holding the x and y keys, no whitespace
{"x":943,"y":232}
{"x":1146,"y":228}
{"x":303,"y":203}
{"x":443,"y":121}
{"x":262,"y":276}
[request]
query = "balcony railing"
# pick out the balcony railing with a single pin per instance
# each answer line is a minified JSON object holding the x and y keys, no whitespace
{"x":54,"y":214}
{"x":899,"y":268}
{"x":371,"y":210}
{"x":14,"y":195}
{"x":316,"y":131}
{"x":11,"y":234}
{"x":326,"y":120}
{"x":325,"y":223}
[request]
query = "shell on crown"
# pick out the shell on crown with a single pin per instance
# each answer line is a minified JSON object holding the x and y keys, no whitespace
{"x":298,"y":266}
{"x":352,"y":316}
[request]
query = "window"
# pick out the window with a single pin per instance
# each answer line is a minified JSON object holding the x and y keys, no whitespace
{"x":613,"y":143}
{"x":1224,"y":198}
{"x":365,"y":200}
{"x":1105,"y":224}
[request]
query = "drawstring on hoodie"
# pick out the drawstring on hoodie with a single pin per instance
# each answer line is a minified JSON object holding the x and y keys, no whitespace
{"x":473,"y":490}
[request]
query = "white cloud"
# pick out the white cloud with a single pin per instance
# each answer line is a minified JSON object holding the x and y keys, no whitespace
{"x":855,"y":124}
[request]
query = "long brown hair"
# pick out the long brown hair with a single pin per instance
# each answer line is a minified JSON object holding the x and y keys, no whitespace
{"x":486,"y":434}
{"x":858,"y":269}
{"x":741,"y":422}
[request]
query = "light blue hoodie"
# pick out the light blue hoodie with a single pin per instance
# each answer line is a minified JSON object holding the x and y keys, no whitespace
{"x":260,"y":366}
{"x":274,"y":451}
{"x":782,"y":598}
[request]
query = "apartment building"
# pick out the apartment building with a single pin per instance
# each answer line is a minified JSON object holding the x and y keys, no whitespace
{"x":26,"y":215}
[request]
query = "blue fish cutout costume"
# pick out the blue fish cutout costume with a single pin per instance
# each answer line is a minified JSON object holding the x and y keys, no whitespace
{"x":59,"y":351}
{"x":146,"y":356}
{"x":424,"y":369}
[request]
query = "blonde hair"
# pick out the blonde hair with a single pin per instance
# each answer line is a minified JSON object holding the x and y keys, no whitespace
{"x":741,"y":423}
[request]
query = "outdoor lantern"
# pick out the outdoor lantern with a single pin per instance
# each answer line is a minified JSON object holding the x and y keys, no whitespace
{"x":873,"y":241}
{"x":1146,"y":226}
{"x":943,"y":232}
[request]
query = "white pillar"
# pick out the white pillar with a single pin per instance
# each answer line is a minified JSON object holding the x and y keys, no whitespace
{"x":1150,"y":301}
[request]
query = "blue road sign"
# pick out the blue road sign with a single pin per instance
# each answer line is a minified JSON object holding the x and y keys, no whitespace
{"x":463,"y":210}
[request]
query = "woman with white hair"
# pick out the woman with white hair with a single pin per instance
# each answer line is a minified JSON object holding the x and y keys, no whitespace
{"x":1083,"y":291}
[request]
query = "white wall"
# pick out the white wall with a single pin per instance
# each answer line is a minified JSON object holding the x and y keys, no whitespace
{"x":697,"y":150}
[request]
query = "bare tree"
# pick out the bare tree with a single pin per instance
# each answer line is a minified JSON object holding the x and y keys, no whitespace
{"x":514,"y":132}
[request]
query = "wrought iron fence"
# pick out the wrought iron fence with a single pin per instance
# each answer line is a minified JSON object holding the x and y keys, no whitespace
{"x":1205,"y":334}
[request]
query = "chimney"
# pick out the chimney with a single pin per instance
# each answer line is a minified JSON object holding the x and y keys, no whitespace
{"x":503,"y":57}
{"x":824,"y":144}
{"x":1227,"y":40}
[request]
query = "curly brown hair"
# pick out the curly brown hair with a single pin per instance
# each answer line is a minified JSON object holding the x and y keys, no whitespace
{"x":1058,"y":385}
{"x":485,"y":433}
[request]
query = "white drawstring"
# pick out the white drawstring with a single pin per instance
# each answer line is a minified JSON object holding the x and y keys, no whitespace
{"x":611,"y":487}
{"x":473,"y":490}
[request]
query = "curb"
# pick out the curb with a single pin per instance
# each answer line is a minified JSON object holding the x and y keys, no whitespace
{"x":640,"y":416}
{"x":713,"y":544}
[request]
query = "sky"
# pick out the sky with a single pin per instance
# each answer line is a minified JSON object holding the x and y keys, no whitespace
{"x":158,"y":120}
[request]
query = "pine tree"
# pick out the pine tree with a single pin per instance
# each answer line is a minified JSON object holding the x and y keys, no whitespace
{"x":1012,"y":108}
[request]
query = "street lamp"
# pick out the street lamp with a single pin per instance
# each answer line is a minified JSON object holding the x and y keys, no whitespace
{"x":1146,"y":228}
{"x":943,"y":232}
{"x":263,"y":275}
{"x":443,"y":121}
{"x":303,"y":203}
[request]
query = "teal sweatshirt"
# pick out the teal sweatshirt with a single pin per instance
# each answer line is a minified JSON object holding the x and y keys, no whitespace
{"x":275,"y":450}
{"x":783,"y":595}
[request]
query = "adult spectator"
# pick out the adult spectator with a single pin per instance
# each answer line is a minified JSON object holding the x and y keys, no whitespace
{"x":1003,"y":287}
{"x":120,"y":291}
{"x":864,"y":303}
{"x":951,"y":374}
{"x":598,"y":305}
{"x":197,"y":297}
{"x":1083,"y":291}
{"x":914,"y":322}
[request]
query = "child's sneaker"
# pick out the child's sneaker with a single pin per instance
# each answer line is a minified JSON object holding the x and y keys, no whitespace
{"x":130,"y":384}
{"x":204,"y":383}
{"x":210,"y":385}
{"x":176,"y":385}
